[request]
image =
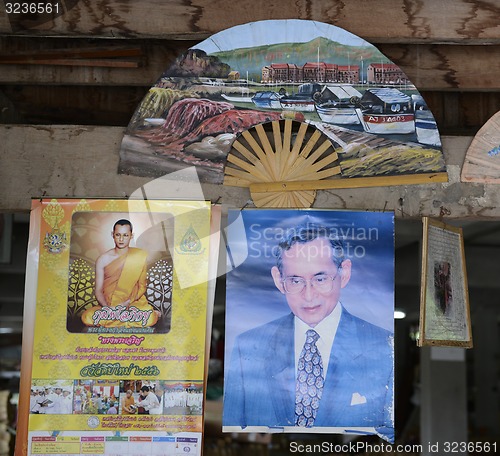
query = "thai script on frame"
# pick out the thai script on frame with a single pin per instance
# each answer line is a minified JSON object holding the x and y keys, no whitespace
{"x":122,"y":314}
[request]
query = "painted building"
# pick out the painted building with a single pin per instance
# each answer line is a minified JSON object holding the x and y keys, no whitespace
{"x":281,"y":72}
{"x":348,"y":74}
{"x":385,"y":73}
{"x":311,"y":72}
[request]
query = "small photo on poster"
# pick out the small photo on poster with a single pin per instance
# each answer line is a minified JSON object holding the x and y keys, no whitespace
{"x":105,"y":394}
{"x":128,"y":401}
{"x":51,"y":397}
{"x":129,"y":397}
{"x":81,"y":396}
{"x":84,"y":398}
{"x":120,"y":274}
{"x":183,"y":398}
{"x":150,"y":400}
{"x":310,"y":323}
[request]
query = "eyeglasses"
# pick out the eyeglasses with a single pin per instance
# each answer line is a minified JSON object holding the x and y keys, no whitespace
{"x":321,"y":282}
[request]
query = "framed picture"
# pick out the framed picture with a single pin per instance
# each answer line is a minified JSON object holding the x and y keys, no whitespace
{"x":310,"y":276}
{"x":444,"y":298}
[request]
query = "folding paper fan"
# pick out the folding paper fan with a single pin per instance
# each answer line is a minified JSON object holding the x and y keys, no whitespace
{"x":482,"y":160}
{"x":256,"y":106}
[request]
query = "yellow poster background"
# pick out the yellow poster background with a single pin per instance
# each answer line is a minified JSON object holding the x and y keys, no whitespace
{"x":178,"y":354}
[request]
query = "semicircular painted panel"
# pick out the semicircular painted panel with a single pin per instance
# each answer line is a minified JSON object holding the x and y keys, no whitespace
{"x":302,"y":70}
{"x":482,"y":160}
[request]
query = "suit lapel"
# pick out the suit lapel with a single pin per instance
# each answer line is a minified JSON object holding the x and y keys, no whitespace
{"x":342,"y":377}
{"x":281,"y":373}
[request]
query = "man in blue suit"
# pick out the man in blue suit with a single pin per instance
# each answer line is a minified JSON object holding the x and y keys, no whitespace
{"x":318,"y":366}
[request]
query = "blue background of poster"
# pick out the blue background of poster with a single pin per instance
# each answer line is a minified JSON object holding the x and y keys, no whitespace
{"x":251,"y":296}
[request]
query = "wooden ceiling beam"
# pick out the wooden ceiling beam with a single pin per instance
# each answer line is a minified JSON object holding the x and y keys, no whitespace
{"x":429,"y":67}
{"x":386,"y":21}
{"x":156,"y":57}
{"x":114,"y":57}
{"x":448,"y":67}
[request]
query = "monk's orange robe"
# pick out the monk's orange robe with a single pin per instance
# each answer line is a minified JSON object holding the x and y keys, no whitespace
{"x":127,"y":402}
{"x":124,"y":279}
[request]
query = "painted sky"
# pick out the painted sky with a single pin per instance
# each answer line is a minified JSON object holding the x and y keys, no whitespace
{"x":252,"y":298}
{"x":276,"y":31}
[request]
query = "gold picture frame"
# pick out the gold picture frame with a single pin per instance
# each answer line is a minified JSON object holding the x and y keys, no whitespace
{"x":444,"y":297}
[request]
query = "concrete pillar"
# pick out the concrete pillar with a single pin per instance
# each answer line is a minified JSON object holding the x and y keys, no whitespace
{"x":486,"y":355}
{"x":443,"y":416}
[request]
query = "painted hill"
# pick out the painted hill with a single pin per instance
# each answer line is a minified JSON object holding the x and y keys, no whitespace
{"x":253,"y":59}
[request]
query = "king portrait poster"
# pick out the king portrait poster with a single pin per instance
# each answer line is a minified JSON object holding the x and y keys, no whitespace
{"x":117,"y":357}
{"x":309,"y":322}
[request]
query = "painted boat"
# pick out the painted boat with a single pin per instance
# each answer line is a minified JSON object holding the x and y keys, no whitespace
{"x":426,"y":128}
{"x":298,"y":104}
{"x":303,"y":100}
{"x":237,"y":98}
{"x":386,"y":111}
{"x":267,"y":100}
{"x":336,"y":104}
{"x":156,"y":121}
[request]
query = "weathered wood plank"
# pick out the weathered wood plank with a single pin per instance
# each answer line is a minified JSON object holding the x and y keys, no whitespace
{"x":157,"y":56}
{"x":447,"y":67}
{"x":385,"y":21}
{"x":429,"y":67}
{"x":89,"y":105}
{"x":81,"y":161}
{"x":68,"y":53}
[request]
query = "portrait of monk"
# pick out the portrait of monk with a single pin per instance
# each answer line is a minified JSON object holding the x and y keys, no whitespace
{"x":120,"y":285}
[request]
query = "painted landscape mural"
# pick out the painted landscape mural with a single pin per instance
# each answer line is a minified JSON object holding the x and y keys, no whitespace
{"x":264,"y":71}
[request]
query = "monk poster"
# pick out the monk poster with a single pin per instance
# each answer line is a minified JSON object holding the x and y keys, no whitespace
{"x":113,"y":292}
{"x":118,"y":293}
